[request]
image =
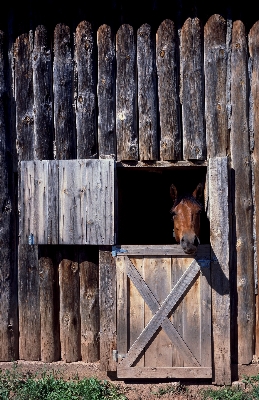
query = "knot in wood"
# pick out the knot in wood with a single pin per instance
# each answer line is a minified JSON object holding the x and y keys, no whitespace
{"x":74,"y":267}
{"x":162,"y":53}
{"x":27,"y":120}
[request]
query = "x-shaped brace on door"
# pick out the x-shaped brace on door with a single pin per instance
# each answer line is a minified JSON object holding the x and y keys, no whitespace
{"x":160,"y":313}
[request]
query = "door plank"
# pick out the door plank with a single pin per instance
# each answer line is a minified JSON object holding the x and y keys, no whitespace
{"x":173,"y":372}
{"x":171,"y":300}
{"x":122,"y":307}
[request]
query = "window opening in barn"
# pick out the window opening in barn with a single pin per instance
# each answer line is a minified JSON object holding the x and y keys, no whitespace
{"x":144,"y":203}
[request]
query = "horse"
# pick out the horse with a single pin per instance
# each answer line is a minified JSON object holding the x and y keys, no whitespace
{"x":186,"y":213}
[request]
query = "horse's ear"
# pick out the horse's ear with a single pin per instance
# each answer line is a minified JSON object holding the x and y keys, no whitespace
{"x":173,"y":192}
{"x":198,"y":192}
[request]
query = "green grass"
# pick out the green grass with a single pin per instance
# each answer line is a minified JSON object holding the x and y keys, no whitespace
{"x":48,"y":386}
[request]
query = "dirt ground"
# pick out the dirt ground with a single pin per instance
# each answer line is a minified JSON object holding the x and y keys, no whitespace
{"x":149,"y":390}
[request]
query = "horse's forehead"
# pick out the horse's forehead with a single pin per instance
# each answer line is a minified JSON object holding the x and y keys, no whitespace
{"x":188,"y":204}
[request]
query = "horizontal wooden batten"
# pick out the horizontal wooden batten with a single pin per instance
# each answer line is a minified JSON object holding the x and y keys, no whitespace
{"x":79,"y":211}
{"x":160,"y":372}
{"x":161,"y":164}
{"x":162,"y":250}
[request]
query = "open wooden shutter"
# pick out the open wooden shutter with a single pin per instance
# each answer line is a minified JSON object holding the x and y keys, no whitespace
{"x":67,"y":202}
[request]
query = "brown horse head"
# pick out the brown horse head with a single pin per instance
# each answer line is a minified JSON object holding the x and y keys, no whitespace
{"x":186,"y":216}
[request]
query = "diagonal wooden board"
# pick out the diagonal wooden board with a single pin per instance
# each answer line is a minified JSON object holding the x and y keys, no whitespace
{"x":161,"y":313}
{"x":154,"y":306}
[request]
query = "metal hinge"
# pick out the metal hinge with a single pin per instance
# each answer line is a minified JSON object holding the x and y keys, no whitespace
{"x":117,"y":250}
{"x":116,"y":356}
{"x":31,"y":239}
{"x":204,"y":263}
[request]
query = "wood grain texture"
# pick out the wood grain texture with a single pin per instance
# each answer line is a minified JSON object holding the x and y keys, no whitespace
{"x":63,"y":89}
{"x":49,"y":305}
{"x":168,"y":96}
{"x":147,"y":102}
{"x":28,"y":269}
{"x":253,"y":40}
{"x":219,"y":237}
{"x":126,"y":95}
{"x":242,"y":195}
{"x":8,"y":276}
{"x":69,"y":307}
{"x":158,"y":352}
{"x":215,"y":71}
{"x":122,"y":308}
{"x":39,"y":202}
{"x":42,"y":91}
{"x":24,"y":97}
{"x":203,"y":251}
{"x":163,"y":372}
{"x":106,"y":92}
{"x":86,"y":124}
{"x":89,"y":306}
{"x":136,"y":309}
{"x":192,"y":87}
{"x":107,"y":299}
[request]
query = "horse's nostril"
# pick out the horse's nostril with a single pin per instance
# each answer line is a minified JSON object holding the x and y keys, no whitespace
{"x":196,"y":241}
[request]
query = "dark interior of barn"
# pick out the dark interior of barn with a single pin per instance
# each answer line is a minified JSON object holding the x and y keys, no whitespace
{"x":144,"y":203}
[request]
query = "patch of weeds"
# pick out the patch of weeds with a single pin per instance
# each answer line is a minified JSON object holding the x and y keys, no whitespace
{"x":225,"y":394}
{"x":170,"y":389}
{"x":46,"y":386}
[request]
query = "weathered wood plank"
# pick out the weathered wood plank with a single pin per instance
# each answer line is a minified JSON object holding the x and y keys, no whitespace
{"x":166,"y":307}
{"x":29,"y":303}
{"x":72,"y":201}
{"x":178,"y":265}
{"x":154,"y":306}
{"x":49,"y":305}
{"x":28,"y":273}
{"x":191,"y":319}
{"x":253,"y":40}
{"x":219,"y":237}
{"x":215,"y":71}
{"x":158,"y":352}
{"x":89,"y":304}
{"x":43,"y":102}
{"x":126,"y":111}
{"x":69,"y":306}
{"x":63,"y":90}
{"x":168,"y":97}
{"x":106,"y":92}
{"x":39,"y":202}
{"x":147,"y":104}
{"x":24,"y":97}
{"x":136,"y":309}
{"x":100,"y":202}
{"x":107,"y":299}
{"x":160,"y":372}
{"x":86,"y":124}
{"x":242,"y":194}
{"x":8,"y":276}
{"x":192,"y":87}
{"x":164,"y":250}
{"x":205,"y":317}
{"x":122,"y":308}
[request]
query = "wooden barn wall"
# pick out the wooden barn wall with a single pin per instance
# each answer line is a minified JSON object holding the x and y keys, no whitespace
{"x":146,"y":93}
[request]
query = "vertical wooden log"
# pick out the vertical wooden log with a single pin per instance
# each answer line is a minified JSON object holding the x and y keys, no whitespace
{"x":147,"y":105}
{"x":63,"y":94}
{"x":69,"y":306}
{"x":85,"y":92}
{"x":254,"y":112}
{"x":8,"y":276}
{"x":42,"y":82}
{"x":107,"y":290}
{"x":219,"y":237}
{"x":28,"y":273}
{"x":89,"y":304}
{"x":106,"y":92}
{"x":192,"y":86}
{"x":126,"y":112}
{"x":242,"y":195}
{"x":215,"y":70}
{"x":49,"y":305}
{"x":168,"y":97}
